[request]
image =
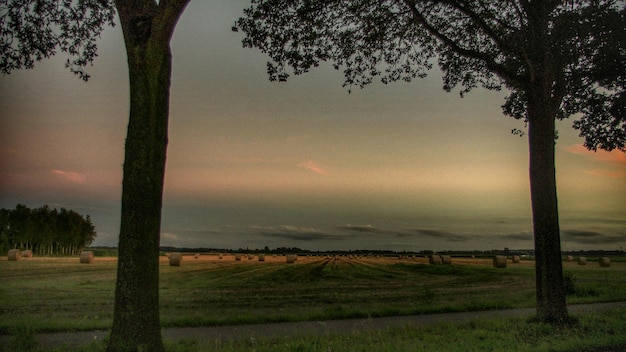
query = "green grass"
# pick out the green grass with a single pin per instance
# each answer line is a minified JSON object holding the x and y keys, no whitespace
{"x":593,"y":332}
{"x":61,"y":294}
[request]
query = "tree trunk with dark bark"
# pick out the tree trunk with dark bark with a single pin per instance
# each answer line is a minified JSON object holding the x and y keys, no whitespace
{"x":136,"y":323}
{"x":551,"y":305}
{"x":543,"y":103}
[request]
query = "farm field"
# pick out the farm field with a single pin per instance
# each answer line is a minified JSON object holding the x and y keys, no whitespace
{"x":60,"y":294}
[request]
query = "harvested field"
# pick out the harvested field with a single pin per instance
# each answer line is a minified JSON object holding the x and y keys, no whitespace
{"x":48,"y":293}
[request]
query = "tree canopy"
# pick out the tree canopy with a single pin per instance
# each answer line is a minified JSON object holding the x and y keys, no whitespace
{"x":31,"y":31}
{"x":475,"y":43}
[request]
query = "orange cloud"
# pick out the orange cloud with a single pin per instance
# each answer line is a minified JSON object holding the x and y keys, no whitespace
{"x":71,"y":176}
{"x":312,"y":166}
{"x":613,"y":157}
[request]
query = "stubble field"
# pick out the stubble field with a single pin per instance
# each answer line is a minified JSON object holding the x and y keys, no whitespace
{"x":60,"y":294}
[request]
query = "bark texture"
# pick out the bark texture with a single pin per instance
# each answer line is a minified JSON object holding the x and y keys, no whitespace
{"x":551,"y":305}
{"x":543,"y":102}
{"x":147,"y":29}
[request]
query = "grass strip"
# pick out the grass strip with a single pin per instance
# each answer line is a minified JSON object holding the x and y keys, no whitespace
{"x":593,"y":332}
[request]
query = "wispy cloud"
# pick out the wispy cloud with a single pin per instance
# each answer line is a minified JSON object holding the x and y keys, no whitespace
{"x":71,"y":176}
{"x":519,"y":236}
{"x":295,"y":233}
{"x":444,"y":235}
{"x":313,"y":166}
{"x":169,"y":237}
{"x":367,"y":229}
{"x":615,"y":159}
{"x":607,"y":173}
{"x":591,"y":237}
{"x":362,"y":228}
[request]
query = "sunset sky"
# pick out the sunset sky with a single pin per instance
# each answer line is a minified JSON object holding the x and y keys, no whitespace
{"x":253,"y":163}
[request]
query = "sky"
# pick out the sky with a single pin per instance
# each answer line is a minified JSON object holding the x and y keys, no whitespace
{"x":253,"y":163}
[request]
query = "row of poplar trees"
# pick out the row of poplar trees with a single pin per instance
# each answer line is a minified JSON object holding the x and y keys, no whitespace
{"x":45,"y":230}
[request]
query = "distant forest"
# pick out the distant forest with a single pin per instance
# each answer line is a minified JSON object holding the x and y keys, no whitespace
{"x":45,"y":230}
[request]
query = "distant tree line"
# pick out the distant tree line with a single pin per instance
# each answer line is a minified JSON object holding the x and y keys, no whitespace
{"x":45,"y":230}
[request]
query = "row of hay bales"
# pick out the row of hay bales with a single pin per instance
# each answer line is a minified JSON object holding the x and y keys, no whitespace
{"x":176,"y":259}
{"x":16,"y":254}
{"x":86,"y":257}
{"x":438,"y":259}
{"x":499,"y":261}
{"x":604,"y":262}
{"x":249,"y":256}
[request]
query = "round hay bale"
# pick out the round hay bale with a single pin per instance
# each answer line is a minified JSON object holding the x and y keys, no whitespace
{"x":176,"y":259}
{"x":261,"y":257}
{"x":446,"y":260}
{"x":515,"y":259}
{"x":569,"y":258}
{"x":26,"y":254}
{"x":604,"y":262}
{"x":499,"y":261}
{"x":250,"y":257}
{"x":220,"y":256}
{"x":197,"y":255}
{"x":167,"y":254}
{"x":291,"y":258}
{"x":435,"y":259}
{"x":86,"y":257}
{"x":237,"y":257}
{"x":14,"y":255}
{"x":582,"y":261}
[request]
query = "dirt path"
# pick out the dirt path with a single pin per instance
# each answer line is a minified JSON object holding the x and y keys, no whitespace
{"x":304,"y":328}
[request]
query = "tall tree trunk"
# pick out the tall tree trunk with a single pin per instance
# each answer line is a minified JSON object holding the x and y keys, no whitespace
{"x":551,"y":305}
{"x":543,"y":103}
{"x":148,"y":27}
{"x":136,"y":323}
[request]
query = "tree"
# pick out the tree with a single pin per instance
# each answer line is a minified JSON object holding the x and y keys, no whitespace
{"x":45,"y":230}
{"x":147,"y":28}
{"x":557,"y":58}
{"x":34,"y":29}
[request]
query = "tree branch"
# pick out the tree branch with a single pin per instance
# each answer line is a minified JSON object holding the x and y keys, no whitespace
{"x":169,"y":13}
{"x":488,"y":60}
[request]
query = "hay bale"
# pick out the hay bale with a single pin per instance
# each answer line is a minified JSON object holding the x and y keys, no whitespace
{"x":220,"y":256}
{"x":604,"y":262}
{"x":250,"y":257}
{"x":446,"y":260}
{"x":14,"y":255}
{"x":237,"y":257}
{"x":261,"y":257}
{"x":515,"y":259}
{"x":435,"y":259}
{"x":86,"y":257}
{"x":176,"y":259}
{"x":197,"y":255}
{"x":291,"y":258}
{"x":582,"y":261}
{"x":569,"y":258}
{"x":26,"y":254}
{"x":499,"y":261}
